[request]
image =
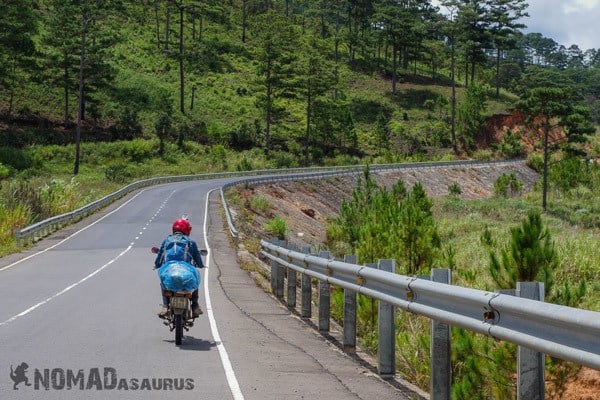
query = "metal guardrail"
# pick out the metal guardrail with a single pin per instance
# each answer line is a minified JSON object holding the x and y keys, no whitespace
{"x":43,"y":228}
{"x":520,"y":317}
{"x":564,"y":332}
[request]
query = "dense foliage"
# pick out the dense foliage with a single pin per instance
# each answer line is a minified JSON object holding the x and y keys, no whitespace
{"x":272,"y":74}
{"x":114,"y":91}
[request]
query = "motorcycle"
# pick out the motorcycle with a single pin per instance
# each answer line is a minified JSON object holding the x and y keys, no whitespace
{"x":179,"y":316}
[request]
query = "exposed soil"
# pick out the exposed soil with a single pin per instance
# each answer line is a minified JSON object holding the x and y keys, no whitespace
{"x":306,"y":207}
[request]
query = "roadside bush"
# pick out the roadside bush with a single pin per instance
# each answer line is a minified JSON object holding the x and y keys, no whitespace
{"x":570,"y":173}
{"x":535,"y":161}
{"x":277,"y":227}
{"x":284,"y":160}
{"x":138,"y":150}
{"x":454,"y":189}
{"x":4,"y":172}
{"x":244,"y":165}
{"x":259,"y":204}
{"x":128,"y":125}
{"x":59,"y":197}
{"x":20,"y":193}
{"x":511,"y":145}
{"x":507,"y":185}
{"x":218,"y":155}
{"x":118,"y":172}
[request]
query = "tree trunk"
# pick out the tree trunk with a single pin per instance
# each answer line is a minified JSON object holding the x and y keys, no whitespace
{"x":244,"y":19}
{"x":268,"y":110}
{"x":157,"y":23}
{"x":498,"y":73}
{"x":308,"y":118}
{"x":546,"y":129}
{"x":167,"y":28}
{"x":181,"y":73}
{"x":81,"y":93}
{"x":453,"y":100}
{"x":394,"y":69}
{"x":66,"y":83}
{"x":473,"y":72}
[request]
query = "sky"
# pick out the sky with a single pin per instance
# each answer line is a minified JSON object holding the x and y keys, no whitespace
{"x":566,"y":21}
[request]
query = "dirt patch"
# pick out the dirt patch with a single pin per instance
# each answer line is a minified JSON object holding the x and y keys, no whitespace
{"x":586,"y":386}
{"x":497,"y":126}
{"x":306,"y":206}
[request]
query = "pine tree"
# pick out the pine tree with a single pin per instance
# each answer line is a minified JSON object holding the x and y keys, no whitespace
{"x":276,"y":43}
{"x":529,"y":257}
{"x":61,"y":49}
{"x":505,"y":17}
{"x":18,"y":25}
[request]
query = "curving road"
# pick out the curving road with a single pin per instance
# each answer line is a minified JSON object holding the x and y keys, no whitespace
{"x":80,"y":310}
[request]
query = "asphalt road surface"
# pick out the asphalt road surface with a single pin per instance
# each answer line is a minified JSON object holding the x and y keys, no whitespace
{"x":78,"y":318}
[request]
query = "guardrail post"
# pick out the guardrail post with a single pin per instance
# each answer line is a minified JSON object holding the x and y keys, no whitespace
{"x":530,"y":369}
{"x":280,"y":274}
{"x":291,"y":282}
{"x":349,"y":339}
{"x":387,"y":329}
{"x":306,"y":311}
{"x":324,"y":300}
{"x":440,"y":350}
{"x":275,"y":270}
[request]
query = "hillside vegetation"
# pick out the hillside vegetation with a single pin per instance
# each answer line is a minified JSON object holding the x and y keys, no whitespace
{"x":96,"y":94}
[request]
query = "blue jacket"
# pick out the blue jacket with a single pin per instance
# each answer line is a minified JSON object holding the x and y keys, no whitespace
{"x":191,"y":254}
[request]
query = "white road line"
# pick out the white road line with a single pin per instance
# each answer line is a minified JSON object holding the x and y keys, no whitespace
{"x":65,"y":290}
{"x":229,"y":373}
{"x":69,"y":237}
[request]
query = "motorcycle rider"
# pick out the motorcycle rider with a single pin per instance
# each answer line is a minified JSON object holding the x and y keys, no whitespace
{"x":181,"y":231}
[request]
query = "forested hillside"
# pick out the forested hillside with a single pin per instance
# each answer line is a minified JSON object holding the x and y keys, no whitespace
{"x":113,"y":91}
{"x":311,"y":78}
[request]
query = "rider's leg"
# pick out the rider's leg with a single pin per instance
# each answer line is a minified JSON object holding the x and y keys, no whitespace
{"x":196,"y":310}
{"x":164,"y":309}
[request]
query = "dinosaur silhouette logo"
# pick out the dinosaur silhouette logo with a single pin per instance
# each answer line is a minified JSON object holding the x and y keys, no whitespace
{"x":18,"y":375}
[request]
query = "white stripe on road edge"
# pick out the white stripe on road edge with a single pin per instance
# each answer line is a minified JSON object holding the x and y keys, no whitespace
{"x":65,"y":290}
{"x":41,"y":303}
{"x":229,"y":373}
{"x":69,"y":237}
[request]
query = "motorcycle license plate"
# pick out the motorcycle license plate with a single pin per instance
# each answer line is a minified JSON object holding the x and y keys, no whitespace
{"x":179,"y":302}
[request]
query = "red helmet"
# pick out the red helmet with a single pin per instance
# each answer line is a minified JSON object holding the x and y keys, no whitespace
{"x":182,"y":225}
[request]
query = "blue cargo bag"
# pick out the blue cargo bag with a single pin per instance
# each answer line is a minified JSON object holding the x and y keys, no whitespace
{"x":179,"y":275}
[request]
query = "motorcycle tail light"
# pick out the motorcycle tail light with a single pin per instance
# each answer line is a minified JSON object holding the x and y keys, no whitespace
{"x":168,"y":293}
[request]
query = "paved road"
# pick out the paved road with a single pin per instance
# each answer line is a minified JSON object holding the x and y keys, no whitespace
{"x":80,"y":310}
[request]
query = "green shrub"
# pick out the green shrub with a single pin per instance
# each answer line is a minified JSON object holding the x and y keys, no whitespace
{"x":483,"y":155}
{"x":259,"y":203}
{"x":570,"y":173}
{"x":218,"y":155}
{"x":244,"y":165}
{"x":118,"y":172}
{"x":277,"y":227}
{"x":511,"y":145}
{"x":454,"y":189}
{"x":59,"y":197}
{"x":507,"y":185}
{"x":535,"y":161}
{"x":138,"y":150}
{"x":284,"y":160}
{"x":4,"y":172}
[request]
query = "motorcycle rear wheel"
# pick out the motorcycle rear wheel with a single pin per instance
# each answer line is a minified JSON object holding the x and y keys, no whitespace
{"x":178,"y":329}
